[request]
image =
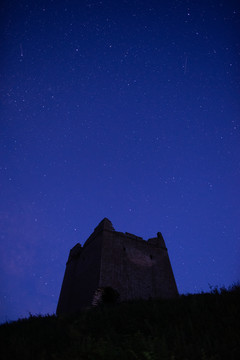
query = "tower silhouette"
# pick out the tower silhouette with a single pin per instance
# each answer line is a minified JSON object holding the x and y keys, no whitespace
{"x":115,"y":266}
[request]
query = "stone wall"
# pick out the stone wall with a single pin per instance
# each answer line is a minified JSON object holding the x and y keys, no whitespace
{"x":81,"y":278}
{"x":136,"y":268}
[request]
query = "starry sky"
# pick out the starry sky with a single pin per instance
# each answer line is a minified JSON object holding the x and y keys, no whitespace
{"x":121,"y":109}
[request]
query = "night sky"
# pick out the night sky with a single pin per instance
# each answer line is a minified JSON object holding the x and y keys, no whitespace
{"x":121,"y":109}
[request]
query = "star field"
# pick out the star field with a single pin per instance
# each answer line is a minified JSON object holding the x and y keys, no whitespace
{"x":127,"y":110}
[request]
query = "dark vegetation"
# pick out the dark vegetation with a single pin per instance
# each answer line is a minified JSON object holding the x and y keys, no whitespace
{"x":201,"y":326}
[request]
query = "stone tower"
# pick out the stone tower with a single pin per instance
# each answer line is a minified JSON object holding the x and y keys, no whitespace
{"x":120,"y":264}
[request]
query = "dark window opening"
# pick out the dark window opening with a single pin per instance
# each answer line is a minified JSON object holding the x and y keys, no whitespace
{"x":110,"y":296}
{"x":105,"y":296}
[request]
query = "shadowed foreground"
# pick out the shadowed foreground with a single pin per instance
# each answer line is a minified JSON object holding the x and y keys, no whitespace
{"x":202,"y":326}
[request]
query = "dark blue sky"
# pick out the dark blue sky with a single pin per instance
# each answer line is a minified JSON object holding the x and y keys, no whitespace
{"x":121,"y":109}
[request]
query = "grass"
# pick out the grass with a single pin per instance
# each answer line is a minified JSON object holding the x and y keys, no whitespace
{"x":201,"y":326}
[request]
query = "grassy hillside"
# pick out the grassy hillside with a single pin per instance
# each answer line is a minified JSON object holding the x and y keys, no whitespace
{"x":203,"y":326}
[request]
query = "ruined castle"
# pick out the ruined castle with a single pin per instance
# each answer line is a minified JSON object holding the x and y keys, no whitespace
{"x":115,"y":266}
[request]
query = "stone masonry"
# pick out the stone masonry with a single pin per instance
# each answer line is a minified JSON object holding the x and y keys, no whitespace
{"x":115,"y":266}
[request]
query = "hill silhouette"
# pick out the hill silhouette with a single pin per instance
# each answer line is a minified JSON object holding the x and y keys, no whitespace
{"x":200,"y":326}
